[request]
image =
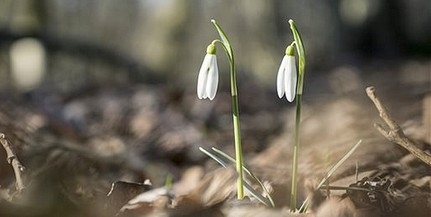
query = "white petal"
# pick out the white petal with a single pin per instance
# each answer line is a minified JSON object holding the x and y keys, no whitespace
{"x":280,"y":77}
{"x":205,"y":94}
{"x":202,"y":77}
{"x":212,"y":81}
{"x":290,"y":79}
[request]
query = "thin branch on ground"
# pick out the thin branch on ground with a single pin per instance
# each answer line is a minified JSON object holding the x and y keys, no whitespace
{"x":395,"y":134}
{"x":12,"y":159}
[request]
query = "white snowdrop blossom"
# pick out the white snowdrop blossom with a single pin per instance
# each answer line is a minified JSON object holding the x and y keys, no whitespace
{"x":208,"y":75}
{"x":287,"y":76}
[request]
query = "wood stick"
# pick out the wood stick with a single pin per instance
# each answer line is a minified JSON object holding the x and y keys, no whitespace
{"x":12,"y":159}
{"x":395,"y":134}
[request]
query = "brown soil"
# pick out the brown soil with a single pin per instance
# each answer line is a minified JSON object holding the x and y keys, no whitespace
{"x":74,"y":146}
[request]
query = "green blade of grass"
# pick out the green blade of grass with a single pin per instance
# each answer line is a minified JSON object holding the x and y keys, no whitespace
{"x":305,"y":204}
{"x":338,"y":164}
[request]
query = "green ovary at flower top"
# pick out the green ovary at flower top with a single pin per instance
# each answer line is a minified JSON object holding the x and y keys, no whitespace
{"x":208,"y":75}
{"x":287,"y":75}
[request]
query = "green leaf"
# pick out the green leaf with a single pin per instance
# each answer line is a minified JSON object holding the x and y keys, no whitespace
{"x":224,"y":38}
{"x":231,"y":159}
{"x":214,"y":157}
{"x":299,"y":44}
{"x":267,"y":200}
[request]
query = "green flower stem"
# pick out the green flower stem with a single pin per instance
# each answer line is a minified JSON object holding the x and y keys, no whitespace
{"x":301,"y":65}
{"x":236,"y":131}
{"x":235,"y":109}
{"x":294,"y":183}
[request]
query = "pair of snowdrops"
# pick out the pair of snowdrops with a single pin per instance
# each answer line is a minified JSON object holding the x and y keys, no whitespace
{"x":209,"y":76}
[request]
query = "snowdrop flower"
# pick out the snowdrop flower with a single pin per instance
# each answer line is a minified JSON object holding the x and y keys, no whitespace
{"x":208,"y":75}
{"x":287,"y":76}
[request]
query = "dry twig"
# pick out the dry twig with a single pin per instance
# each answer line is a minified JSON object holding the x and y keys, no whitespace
{"x":395,"y":133}
{"x":12,"y":159}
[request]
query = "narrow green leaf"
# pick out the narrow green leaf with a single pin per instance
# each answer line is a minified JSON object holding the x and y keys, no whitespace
{"x":224,"y":38}
{"x":214,"y":157}
{"x":231,"y":159}
{"x":265,"y":200}
{"x":299,"y":44}
{"x":257,"y":195}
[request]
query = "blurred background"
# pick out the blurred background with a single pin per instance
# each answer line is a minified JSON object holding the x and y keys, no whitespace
{"x":105,"y":90}
{"x":83,"y":43}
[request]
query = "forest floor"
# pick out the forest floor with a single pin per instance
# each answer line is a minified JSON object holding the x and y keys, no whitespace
{"x":134,"y":151}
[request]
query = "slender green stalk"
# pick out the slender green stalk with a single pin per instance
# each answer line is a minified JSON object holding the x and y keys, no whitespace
{"x":235,"y":109}
{"x":301,"y":65}
{"x":236,"y":130}
{"x":294,"y":183}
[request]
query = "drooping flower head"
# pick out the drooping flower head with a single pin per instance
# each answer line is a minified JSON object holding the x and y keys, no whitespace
{"x":287,"y":75}
{"x":208,"y":75}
